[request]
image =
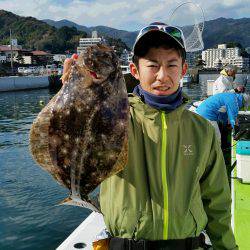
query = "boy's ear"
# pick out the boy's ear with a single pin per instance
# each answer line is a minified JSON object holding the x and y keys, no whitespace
{"x":184,"y":69}
{"x":134,"y":71}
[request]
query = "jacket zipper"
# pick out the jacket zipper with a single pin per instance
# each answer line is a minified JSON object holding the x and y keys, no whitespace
{"x":164,"y":175}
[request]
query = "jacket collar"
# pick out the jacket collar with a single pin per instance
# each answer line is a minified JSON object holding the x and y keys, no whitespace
{"x":224,"y":73}
{"x":151,"y":113}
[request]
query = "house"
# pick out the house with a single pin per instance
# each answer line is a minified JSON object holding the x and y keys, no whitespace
{"x":37,"y":57}
{"x":6,"y":50}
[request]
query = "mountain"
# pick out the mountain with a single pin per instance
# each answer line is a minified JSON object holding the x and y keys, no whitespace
{"x":127,"y":37}
{"x":227,"y":30}
{"x":64,"y":22}
{"x":35,"y":34}
{"x":221,"y":30}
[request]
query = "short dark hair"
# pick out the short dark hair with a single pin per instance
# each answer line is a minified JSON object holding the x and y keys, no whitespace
{"x":156,"y":40}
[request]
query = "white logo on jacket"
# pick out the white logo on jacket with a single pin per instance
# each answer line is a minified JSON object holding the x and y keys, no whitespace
{"x":187,"y":149}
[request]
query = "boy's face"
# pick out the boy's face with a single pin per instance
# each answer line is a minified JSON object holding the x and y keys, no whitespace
{"x":160,"y":71}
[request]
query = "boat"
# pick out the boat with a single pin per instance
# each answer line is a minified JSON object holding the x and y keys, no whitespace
{"x":83,"y":236}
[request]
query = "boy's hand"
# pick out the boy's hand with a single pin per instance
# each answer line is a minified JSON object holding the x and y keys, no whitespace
{"x":66,"y":67}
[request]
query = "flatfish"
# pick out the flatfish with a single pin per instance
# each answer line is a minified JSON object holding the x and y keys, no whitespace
{"x":80,"y":137}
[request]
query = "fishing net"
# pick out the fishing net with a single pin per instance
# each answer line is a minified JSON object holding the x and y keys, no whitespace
{"x":189,"y":17}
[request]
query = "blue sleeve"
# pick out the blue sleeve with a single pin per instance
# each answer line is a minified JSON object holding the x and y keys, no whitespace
{"x":232,"y":109}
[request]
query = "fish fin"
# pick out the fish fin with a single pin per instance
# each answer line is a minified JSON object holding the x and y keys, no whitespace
{"x":76,"y":201}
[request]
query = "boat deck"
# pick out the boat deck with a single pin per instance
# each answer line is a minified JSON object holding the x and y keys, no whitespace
{"x":242,"y":214}
{"x":240,"y":208}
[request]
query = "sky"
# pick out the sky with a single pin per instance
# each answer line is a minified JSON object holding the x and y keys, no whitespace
{"x":128,"y":15}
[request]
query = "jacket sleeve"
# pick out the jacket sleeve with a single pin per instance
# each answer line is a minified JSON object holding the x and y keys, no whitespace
{"x":216,"y":199}
{"x":223,"y":84}
{"x":219,"y":85}
{"x":232,"y":109}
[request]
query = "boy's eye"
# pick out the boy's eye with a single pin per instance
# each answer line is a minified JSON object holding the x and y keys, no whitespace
{"x":152,"y":65}
{"x":172,"y":65}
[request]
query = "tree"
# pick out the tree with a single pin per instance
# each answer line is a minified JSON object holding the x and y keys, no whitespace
{"x":20,"y":59}
{"x":233,"y":45}
{"x":199,"y":63}
{"x":118,"y":44}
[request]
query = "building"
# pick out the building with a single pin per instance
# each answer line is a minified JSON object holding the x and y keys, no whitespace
{"x":37,"y":57}
{"x":86,"y":42}
{"x":24,"y":56}
{"x":240,"y":62}
{"x":60,"y":58}
{"x":126,"y":57}
{"x":7,"y":50}
{"x":214,"y":58}
{"x":210,"y":56}
{"x":3,"y":58}
{"x":218,"y":63}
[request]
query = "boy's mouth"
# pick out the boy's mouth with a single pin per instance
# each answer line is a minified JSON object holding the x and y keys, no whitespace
{"x":162,"y":88}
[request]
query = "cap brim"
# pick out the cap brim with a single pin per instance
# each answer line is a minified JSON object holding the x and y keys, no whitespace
{"x":153,"y":34}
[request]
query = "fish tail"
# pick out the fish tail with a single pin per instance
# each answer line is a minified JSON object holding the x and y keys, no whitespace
{"x":76,"y":201}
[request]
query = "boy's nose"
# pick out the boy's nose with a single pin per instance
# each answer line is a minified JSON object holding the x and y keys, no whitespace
{"x":162,"y":74}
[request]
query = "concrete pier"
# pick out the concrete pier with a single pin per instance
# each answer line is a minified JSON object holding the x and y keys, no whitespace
{"x":13,"y":83}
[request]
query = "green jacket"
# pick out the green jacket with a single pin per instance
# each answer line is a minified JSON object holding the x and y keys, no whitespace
{"x":175,"y":183}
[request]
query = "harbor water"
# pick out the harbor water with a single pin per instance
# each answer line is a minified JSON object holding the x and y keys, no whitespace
{"x":29,"y":215}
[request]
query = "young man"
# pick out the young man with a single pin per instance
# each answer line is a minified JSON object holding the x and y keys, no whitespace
{"x":175,"y":183}
{"x":223,"y":107}
{"x":225,"y":82}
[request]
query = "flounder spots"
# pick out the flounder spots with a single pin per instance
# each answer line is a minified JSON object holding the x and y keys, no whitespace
{"x":77,"y":140}
{"x":66,"y":137}
{"x":78,"y":109}
{"x":55,"y":140}
{"x":64,"y":150}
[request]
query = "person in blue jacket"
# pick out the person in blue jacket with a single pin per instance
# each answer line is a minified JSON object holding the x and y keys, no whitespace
{"x":223,"y":107}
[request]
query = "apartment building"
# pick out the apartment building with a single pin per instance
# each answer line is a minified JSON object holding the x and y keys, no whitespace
{"x":223,"y":55}
{"x":86,"y":42}
{"x":126,"y":57}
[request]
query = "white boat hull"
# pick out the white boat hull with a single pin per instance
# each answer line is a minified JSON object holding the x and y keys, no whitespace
{"x":85,"y":233}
